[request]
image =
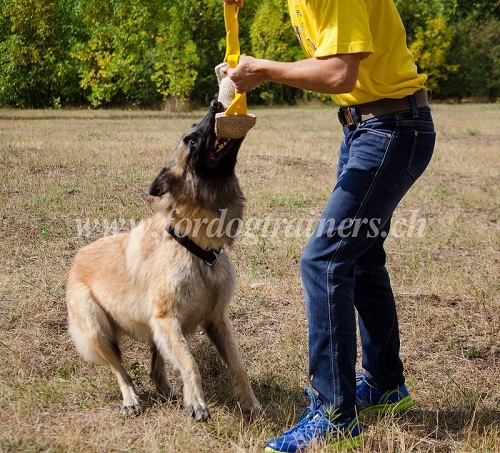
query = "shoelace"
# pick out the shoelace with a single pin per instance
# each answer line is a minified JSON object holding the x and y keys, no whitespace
{"x":308,"y":414}
{"x":360,"y":378}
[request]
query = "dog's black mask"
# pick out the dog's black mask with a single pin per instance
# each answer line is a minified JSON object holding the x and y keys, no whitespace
{"x":211,"y":156}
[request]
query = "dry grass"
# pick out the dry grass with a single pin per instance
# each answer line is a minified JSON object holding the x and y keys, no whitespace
{"x":60,"y":169}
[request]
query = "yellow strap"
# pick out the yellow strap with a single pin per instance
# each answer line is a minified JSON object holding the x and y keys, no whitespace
{"x":239,"y":104}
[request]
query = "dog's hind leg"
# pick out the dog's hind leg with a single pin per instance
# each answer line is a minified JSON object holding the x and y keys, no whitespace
{"x":220,"y":330}
{"x":170,"y":340}
{"x":159,"y":375}
{"x":95,"y":340}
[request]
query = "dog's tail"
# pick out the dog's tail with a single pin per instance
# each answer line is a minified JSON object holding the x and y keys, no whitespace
{"x":90,"y":327}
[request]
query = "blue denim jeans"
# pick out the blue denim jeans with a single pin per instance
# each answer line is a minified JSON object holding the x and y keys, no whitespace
{"x":343,"y":264}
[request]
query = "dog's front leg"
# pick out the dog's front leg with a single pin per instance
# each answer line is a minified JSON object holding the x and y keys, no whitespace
{"x":159,"y":375}
{"x":220,"y":331}
{"x":168,"y":337}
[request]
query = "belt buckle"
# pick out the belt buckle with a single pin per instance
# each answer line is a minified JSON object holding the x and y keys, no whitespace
{"x":345,"y":117}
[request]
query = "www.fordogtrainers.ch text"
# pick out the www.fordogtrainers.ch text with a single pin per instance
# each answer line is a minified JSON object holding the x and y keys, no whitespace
{"x":251,"y":229}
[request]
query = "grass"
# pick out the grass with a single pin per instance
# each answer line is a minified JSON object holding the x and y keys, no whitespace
{"x":68,"y":177}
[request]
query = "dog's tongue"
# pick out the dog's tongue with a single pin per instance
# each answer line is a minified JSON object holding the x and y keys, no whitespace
{"x":219,"y":148}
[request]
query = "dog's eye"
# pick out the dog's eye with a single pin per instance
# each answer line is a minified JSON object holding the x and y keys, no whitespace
{"x":190,"y":141}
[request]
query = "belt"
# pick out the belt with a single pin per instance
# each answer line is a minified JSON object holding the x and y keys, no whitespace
{"x":381,"y":107}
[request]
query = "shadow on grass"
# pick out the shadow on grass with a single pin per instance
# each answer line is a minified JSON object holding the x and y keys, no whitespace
{"x":437,"y":430}
{"x":442,"y":424}
{"x":280,"y":402}
{"x":151,"y":399}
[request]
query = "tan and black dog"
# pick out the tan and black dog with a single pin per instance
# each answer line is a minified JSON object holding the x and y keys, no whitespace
{"x":168,"y":275}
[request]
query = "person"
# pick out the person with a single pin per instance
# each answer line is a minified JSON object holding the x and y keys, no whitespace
{"x":356,"y":52}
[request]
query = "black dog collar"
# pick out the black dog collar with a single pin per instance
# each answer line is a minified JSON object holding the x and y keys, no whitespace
{"x":209,"y":256}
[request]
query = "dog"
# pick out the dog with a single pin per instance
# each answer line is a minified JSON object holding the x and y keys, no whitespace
{"x":168,"y":275}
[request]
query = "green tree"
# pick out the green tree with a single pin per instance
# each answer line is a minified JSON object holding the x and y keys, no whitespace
{"x":109,"y":56}
{"x":34,"y":38}
{"x":135,"y":52}
{"x":477,"y":9}
{"x":175,"y":61}
{"x":476,"y":51}
{"x":417,"y":13}
{"x":272,"y":37}
{"x":205,"y":22}
{"x":431,"y":47}
{"x":142,"y":52}
{"x":456,"y":42}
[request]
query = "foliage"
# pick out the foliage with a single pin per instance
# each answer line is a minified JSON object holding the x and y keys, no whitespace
{"x":477,"y":8}
{"x":175,"y":61}
{"x":457,"y":43}
{"x":34,"y":40}
{"x":476,"y":51}
{"x":109,"y":61}
{"x":272,"y":38}
{"x":431,"y":48}
{"x":206,"y":27}
{"x":137,"y":52}
{"x":416,"y":13}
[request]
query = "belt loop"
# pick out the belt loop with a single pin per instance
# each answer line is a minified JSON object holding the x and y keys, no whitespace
{"x":414,"y":107}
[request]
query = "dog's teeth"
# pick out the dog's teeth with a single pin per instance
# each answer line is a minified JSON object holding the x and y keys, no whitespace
{"x":219,"y":145}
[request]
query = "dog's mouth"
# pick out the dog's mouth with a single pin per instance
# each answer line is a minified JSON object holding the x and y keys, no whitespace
{"x":220,"y":148}
{"x":216,"y":155}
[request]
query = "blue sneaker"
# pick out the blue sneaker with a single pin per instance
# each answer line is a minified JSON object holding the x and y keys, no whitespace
{"x":314,"y":427}
{"x":371,"y":399}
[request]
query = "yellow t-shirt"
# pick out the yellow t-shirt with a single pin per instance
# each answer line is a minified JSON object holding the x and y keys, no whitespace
{"x":330,"y":27}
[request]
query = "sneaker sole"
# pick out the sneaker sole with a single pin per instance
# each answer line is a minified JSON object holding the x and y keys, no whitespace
{"x":401,"y":405}
{"x":348,"y":443}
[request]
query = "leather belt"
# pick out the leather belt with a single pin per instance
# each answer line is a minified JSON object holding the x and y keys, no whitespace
{"x":380,"y":107}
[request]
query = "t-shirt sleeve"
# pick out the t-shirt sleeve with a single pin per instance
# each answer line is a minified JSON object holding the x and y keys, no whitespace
{"x":343,"y":27}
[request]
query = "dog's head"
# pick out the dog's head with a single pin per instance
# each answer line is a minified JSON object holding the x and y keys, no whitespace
{"x":198,"y":180}
{"x":200,"y":156}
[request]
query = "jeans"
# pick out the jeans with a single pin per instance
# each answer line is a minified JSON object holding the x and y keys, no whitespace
{"x":343,"y":263}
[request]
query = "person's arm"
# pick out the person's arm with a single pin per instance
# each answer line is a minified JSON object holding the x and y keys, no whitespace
{"x":331,"y":75}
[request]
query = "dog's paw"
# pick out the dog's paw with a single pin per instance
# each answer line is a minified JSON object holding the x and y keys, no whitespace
{"x":198,"y":412}
{"x":130,"y":411}
{"x":251,"y":411}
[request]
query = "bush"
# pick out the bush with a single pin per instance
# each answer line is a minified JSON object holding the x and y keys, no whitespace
{"x":476,"y":52}
{"x":34,"y":40}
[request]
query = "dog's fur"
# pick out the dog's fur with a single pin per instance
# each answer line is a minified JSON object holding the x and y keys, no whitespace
{"x":146,"y":285}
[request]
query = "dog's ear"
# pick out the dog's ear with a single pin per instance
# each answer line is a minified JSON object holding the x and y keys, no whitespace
{"x":162,"y":184}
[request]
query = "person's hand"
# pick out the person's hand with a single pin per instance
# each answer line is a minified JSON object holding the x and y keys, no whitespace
{"x":238,"y":3}
{"x":246,"y":75}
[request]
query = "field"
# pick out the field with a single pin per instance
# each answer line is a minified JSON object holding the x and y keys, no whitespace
{"x":69,"y":177}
